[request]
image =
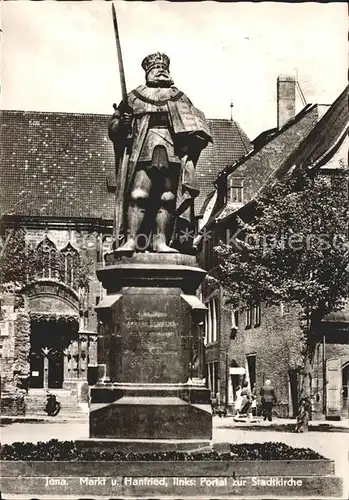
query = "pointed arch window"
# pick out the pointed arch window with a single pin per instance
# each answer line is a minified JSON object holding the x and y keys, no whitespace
{"x":71,"y":263}
{"x":48,"y":259}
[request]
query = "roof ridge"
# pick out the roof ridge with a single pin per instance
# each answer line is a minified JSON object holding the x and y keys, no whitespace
{"x":314,"y":133}
{"x":60,"y":113}
{"x":303,"y":112}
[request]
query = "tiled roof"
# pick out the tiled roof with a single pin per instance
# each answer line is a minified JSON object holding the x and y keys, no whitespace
{"x":262,"y":140}
{"x":229,"y":208}
{"x":230,"y":143}
{"x":339,"y":156}
{"x":57,"y":164}
{"x":324,"y":139}
{"x":257,"y":167}
{"x":313,"y":139}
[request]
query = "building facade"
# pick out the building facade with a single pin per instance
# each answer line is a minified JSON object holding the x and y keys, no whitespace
{"x":57,"y":201}
{"x":263,"y":342}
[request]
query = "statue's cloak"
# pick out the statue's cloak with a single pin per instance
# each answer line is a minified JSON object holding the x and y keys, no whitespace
{"x":185,"y":120}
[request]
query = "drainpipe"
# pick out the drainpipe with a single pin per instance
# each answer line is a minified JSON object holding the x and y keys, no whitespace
{"x":226,"y":379}
{"x":324,"y":382}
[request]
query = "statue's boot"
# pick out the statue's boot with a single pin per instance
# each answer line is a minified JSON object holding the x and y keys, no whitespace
{"x":129,"y":246}
{"x":162,"y":247}
{"x":135,"y":218}
{"x":163,"y":220}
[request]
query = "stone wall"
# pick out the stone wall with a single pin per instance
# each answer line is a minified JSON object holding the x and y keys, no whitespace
{"x":15,"y":344}
{"x":12,"y":404}
{"x":15,"y":352}
{"x":21,"y":365}
{"x":7,"y":337}
{"x":275,"y":343}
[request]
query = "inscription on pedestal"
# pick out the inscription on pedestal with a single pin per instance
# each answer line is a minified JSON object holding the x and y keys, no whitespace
{"x":154,"y":328}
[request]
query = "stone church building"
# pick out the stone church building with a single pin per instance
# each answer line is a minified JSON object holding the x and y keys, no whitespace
{"x":56,"y":203}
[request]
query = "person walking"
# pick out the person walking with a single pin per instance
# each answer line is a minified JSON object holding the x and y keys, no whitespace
{"x":237,"y":402}
{"x":268,"y":399}
{"x":254,"y":401}
{"x":246,"y":400}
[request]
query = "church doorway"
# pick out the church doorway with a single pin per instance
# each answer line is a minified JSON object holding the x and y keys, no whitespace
{"x":55,"y":369}
{"x":49,"y":342}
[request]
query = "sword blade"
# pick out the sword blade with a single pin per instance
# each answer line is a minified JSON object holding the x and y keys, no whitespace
{"x":120,"y":61}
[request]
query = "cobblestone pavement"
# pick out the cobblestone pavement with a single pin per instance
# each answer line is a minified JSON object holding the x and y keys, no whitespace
{"x":43,"y":431}
{"x":333,"y":445}
{"x":280,"y":424}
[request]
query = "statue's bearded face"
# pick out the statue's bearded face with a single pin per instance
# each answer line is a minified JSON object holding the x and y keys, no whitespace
{"x":160,"y":76}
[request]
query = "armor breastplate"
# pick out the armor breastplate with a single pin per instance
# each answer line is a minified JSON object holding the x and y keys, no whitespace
{"x":159,"y":120}
{"x":158,"y":135}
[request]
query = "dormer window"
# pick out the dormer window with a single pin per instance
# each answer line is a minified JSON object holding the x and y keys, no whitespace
{"x":236,"y":189}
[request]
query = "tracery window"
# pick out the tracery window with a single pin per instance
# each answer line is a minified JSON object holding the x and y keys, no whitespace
{"x":48,"y":258}
{"x":71,"y":264}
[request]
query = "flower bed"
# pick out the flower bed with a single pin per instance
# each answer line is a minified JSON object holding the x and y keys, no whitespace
{"x":55,"y":450}
{"x":247,"y":469}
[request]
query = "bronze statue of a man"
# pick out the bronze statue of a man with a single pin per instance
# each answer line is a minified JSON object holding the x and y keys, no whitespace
{"x":158,"y":136}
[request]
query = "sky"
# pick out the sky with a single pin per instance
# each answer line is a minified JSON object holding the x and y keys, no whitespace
{"x":61,"y":56}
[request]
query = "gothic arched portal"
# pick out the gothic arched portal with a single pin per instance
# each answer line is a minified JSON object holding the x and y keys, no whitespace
{"x":59,"y":351}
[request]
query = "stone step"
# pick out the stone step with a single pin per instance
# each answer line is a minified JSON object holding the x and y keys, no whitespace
{"x":36,"y":402}
{"x":59,"y":397}
{"x":66,"y":403}
{"x":65,"y":409}
{"x":69,"y":411}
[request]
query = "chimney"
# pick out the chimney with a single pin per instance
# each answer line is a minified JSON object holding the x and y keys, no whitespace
{"x":286,"y":99}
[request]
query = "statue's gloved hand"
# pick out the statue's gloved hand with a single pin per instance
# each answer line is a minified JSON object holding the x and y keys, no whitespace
{"x":113,"y":128}
{"x":198,"y":139}
{"x":126,"y":119}
{"x":120,"y":125}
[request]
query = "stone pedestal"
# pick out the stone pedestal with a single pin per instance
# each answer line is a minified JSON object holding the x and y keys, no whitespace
{"x":149,"y":351}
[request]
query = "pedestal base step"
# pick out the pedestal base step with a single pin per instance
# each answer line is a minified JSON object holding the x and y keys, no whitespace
{"x":150,"y":418}
{"x":143,"y":445}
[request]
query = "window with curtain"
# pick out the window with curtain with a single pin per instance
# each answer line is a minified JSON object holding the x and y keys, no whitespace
{"x":234,"y":319}
{"x":211,"y":321}
{"x":257,"y":315}
{"x":249,"y":316}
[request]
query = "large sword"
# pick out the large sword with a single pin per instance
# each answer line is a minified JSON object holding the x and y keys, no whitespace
{"x":121,"y":64}
{"x":121,"y":163}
